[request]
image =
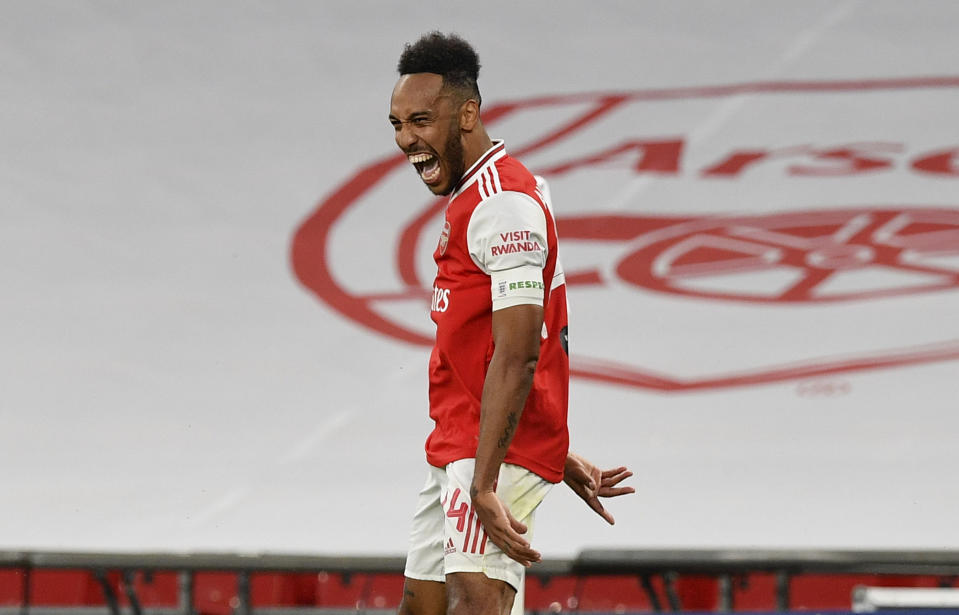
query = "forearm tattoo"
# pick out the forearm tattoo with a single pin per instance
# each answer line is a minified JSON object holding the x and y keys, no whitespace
{"x":511,"y":421}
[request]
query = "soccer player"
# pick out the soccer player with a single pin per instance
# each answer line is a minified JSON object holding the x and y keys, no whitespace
{"x":499,"y":370}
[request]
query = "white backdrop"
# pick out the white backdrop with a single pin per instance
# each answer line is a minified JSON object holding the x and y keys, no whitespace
{"x":168,"y":383}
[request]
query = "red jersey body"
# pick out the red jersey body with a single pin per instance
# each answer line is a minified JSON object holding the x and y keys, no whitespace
{"x":498,"y":248}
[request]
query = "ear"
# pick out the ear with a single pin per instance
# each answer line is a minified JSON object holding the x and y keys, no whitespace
{"x":469,"y":115}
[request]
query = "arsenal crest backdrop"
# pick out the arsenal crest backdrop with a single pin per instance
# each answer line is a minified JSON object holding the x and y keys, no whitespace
{"x":217,"y":269}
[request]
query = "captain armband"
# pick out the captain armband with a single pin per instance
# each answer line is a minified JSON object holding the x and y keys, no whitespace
{"x":518,"y":286}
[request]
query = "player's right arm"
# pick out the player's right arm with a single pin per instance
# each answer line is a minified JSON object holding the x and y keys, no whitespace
{"x":516,"y":335}
{"x":507,"y":241}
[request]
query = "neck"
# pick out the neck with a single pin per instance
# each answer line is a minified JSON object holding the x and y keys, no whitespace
{"x":477,"y":143}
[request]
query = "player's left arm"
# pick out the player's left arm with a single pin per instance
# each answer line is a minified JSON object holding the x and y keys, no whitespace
{"x":516,"y":336}
{"x":590,"y":483}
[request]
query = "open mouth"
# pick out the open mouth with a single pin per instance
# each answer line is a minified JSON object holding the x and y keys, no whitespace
{"x":427,"y":165}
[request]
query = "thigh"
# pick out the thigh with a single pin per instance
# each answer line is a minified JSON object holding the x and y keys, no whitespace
{"x":473,"y":593}
{"x":423,"y":598}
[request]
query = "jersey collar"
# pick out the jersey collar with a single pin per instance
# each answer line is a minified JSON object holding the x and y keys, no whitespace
{"x":491,"y":155}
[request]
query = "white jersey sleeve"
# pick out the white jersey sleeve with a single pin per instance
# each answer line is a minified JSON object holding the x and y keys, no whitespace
{"x":507,"y":241}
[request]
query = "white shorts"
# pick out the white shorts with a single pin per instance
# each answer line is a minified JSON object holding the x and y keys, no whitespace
{"x":447,"y":536}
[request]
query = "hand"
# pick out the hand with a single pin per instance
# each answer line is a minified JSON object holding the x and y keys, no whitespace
{"x":589,"y":483}
{"x":503,"y":529}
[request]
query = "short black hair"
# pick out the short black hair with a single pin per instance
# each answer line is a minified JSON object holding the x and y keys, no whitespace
{"x":447,"y":55}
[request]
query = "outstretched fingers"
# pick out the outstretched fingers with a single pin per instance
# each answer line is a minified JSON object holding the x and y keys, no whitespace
{"x":613,"y":477}
{"x":597,"y":506}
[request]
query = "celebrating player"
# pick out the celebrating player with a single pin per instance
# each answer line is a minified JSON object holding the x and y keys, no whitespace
{"x":499,"y":369}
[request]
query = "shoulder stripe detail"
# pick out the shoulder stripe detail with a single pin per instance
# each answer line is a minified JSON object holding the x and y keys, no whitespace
{"x":494,"y":173}
{"x":489,"y":183}
{"x":492,"y":155}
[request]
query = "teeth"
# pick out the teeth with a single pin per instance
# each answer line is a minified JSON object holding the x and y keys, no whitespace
{"x":417,"y":158}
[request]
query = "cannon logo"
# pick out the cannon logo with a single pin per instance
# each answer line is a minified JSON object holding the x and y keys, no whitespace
{"x":444,"y":238}
{"x":711,"y":237}
{"x":807,"y":257}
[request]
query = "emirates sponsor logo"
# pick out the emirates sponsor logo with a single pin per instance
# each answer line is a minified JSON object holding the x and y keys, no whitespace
{"x":441,"y":300}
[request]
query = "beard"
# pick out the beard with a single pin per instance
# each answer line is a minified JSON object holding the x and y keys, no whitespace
{"x":454,"y":159}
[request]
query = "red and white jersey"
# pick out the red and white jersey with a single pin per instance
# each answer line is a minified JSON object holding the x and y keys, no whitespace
{"x":498,"y":249}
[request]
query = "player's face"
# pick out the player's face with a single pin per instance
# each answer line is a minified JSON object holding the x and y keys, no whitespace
{"x":426,"y":125}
